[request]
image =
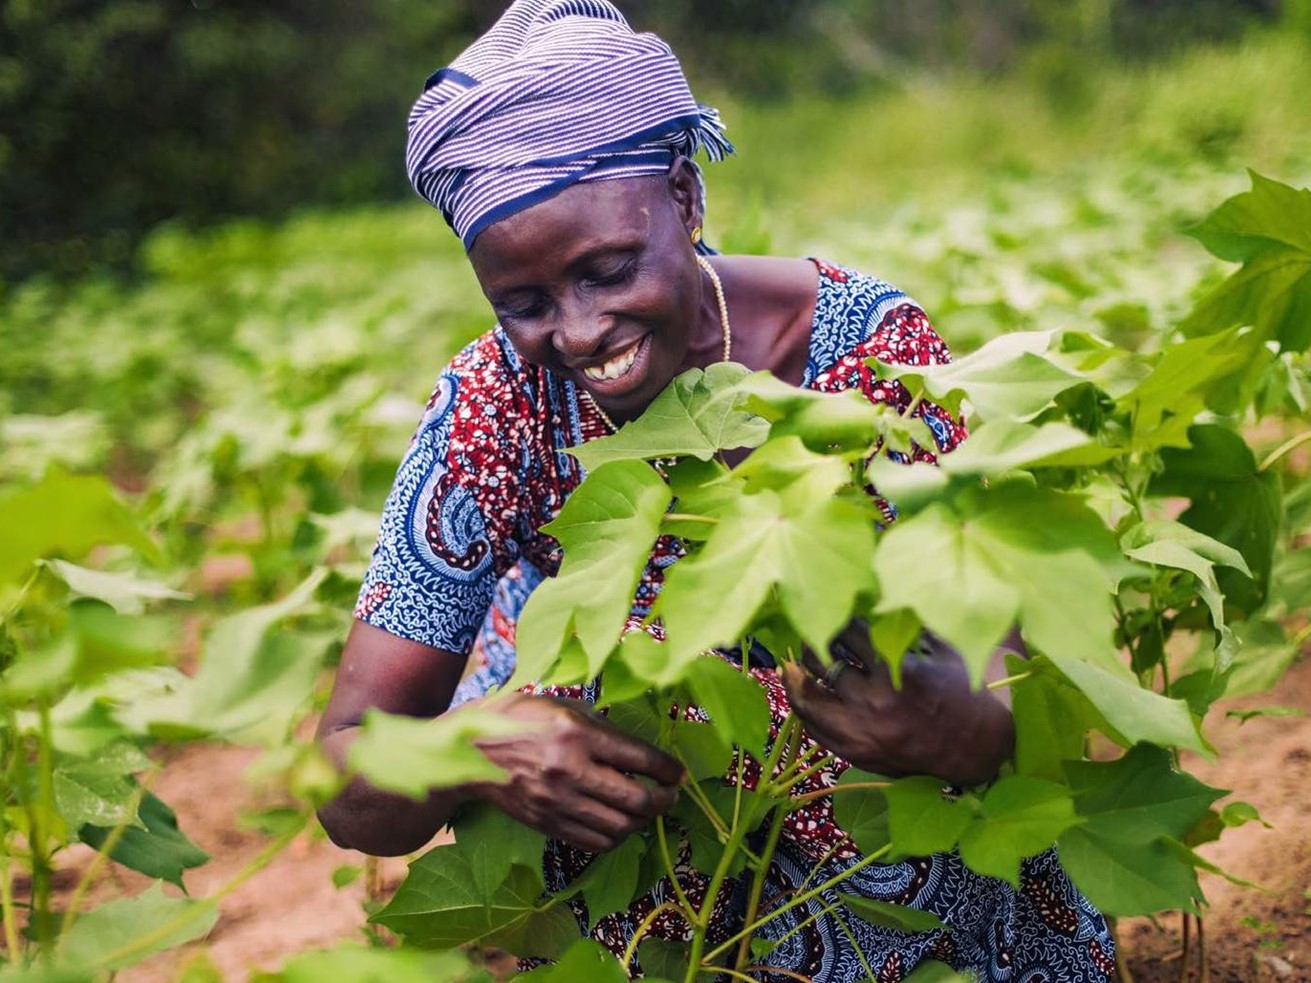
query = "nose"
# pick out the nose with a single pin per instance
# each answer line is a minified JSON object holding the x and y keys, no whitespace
{"x":580,"y":330}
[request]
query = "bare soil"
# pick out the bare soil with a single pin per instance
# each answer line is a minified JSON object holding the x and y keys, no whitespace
{"x":292,"y":905}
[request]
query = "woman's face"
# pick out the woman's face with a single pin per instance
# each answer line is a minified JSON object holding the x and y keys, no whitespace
{"x":600,"y":285}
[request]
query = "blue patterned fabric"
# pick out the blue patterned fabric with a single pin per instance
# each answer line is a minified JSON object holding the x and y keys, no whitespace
{"x":556,"y":92}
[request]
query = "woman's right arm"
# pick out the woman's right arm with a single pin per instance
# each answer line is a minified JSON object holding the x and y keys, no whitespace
{"x":573,"y":776}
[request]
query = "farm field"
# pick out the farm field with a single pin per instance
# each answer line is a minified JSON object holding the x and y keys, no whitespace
{"x":249,"y":391}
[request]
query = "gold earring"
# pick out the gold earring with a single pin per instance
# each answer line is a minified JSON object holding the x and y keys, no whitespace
{"x":696,"y":235}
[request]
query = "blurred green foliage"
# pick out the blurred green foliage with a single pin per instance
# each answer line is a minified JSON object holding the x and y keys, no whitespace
{"x":118,"y":114}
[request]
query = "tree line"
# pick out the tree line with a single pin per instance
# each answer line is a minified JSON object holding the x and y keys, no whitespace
{"x":116,"y":115}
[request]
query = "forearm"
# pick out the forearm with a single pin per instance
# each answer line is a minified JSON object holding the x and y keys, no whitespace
{"x":384,"y":824}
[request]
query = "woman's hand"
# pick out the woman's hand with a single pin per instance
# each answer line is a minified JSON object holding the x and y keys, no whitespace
{"x":934,"y":725}
{"x":575,"y":777}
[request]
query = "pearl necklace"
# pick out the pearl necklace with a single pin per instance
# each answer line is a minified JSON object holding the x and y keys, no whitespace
{"x":723,"y":321}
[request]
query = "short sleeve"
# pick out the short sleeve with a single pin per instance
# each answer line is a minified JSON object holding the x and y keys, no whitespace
{"x":445,"y":535}
{"x":860,"y":317}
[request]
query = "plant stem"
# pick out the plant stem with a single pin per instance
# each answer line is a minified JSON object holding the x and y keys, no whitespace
{"x":699,"y":799}
{"x":258,"y":863}
{"x":702,"y":924}
{"x":42,"y":871}
{"x":102,"y":857}
{"x":644,"y":926}
{"x":800,"y":777}
{"x":7,"y":911}
{"x":688,"y":517}
{"x":1203,"y":966}
{"x":1185,"y":921}
{"x":777,"y":815}
{"x":796,"y":802}
{"x":688,"y":911}
{"x":1009,"y":680}
{"x":802,"y":898}
{"x":11,"y":747}
{"x":1283,"y":449}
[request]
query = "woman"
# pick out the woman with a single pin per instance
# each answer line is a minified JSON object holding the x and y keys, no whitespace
{"x":558,"y":147}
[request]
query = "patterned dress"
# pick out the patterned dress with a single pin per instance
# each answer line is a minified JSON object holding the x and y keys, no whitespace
{"x":459,"y":552}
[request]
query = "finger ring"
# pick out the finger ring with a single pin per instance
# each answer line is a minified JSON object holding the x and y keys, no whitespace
{"x":835,"y":672}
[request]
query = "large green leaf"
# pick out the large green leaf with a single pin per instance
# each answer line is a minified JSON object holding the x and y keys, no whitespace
{"x":798,"y":474}
{"x":606,"y":528}
{"x":123,"y":592}
{"x":1165,"y":543}
{"x":1270,"y":215}
{"x":1001,"y":445}
{"x":1138,"y":798}
{"x":992,"y":564}
{"x":1164,"y":405}
{"x":412,"y":756}
{"x":922,"y":819}
{"x":99,"y":790}
{"x":1021,"y":817}
{"x":1008,"y":377}
{"x":844,"y":420}
{"x":160,"y":850}
{"x":64,"y":515}
{"x":696,"y":415}
{"x":1127,"y":878}
{"x":735,"y":701}
{"x":441,"y":905}
{"x":611,"y":880}
{"x":1052,"y":718}
{"x":1133,"y":713}
{"x":1266,"y":230}
{"x":125,"y":931}
{"x":1232,"y":501}
{"x":815,"y":558}
{"x":862,"y":813}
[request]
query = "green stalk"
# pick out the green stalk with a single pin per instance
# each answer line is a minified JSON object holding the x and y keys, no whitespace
{"x":10,"y":916}
{"x":102,"y":857}
{"x":688,"y":911}
{"x":758,"y":881}
{"x":643,"y":927}
{"x":702,"y":923}
{"x":801,"y":899}
{"x":810,"y":769}
{"x":1008,"y":681}
{"x":258,"y":863}
{"x":1283,"y":449}
{"x":796,"y":802}
{"x":688,"y":517}
{"x":42,"y":871}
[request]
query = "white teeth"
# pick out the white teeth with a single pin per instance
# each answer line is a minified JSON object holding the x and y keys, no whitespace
{"x":614,"y":368}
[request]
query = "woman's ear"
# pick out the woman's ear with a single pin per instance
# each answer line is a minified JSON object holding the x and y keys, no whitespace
{"x":685,"y":189}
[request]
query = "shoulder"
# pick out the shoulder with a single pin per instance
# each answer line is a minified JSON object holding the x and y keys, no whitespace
{"x":864,"y":315}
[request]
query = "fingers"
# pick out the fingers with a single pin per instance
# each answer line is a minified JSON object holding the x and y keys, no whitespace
{"x":624,"y":753}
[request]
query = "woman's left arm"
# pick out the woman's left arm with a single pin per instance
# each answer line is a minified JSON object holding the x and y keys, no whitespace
{"x":935,"y":724}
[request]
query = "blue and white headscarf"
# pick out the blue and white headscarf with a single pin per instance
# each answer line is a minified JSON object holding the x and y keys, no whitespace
{"x":556,"y":92}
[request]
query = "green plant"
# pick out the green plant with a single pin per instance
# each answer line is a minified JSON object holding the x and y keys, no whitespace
{"x":1055,"y":515}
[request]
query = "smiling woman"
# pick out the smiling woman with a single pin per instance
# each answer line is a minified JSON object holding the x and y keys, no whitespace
{"x":559,"y":148}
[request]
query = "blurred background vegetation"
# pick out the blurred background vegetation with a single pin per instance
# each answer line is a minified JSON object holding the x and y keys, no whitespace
{"x":116,"y":115}
{"x":217,"y":288}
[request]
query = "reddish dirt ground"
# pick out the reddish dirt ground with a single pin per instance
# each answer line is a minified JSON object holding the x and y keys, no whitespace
{"x":292,"y":905}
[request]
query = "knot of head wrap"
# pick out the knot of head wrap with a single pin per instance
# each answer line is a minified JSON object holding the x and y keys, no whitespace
{"x":556,"y":92}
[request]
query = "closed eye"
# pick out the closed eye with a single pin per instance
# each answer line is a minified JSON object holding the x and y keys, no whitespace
{"x":610,"y":276}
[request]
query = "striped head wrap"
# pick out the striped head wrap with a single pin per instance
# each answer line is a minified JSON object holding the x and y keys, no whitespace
{"x":556,"y":92}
